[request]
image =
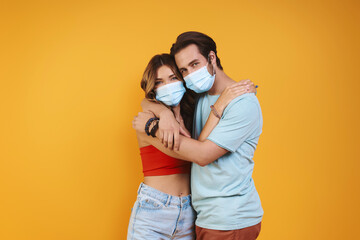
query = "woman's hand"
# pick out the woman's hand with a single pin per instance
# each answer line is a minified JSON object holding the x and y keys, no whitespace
{"x":140,"y":121}
{"x":248,"y":83}
{"x":230,"y":93}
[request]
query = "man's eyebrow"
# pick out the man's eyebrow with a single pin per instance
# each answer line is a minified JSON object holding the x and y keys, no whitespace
{"x":190,"y":63}
{"x":195,"y":60}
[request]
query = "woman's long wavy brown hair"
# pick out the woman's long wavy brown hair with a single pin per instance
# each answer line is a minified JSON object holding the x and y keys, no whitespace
{"x":187,"y":104}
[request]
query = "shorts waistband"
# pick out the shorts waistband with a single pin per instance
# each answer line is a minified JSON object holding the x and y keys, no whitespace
{"x":165,"y":198}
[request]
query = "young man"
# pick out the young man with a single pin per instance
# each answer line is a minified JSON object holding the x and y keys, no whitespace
{"x":223,"y":192}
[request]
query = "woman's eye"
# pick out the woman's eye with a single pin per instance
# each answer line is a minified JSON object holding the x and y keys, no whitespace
{"x":195,"y":64}
{"x":174,"y":78}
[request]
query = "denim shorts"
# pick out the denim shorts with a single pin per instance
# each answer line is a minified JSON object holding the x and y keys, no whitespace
{"x":157,"y":215}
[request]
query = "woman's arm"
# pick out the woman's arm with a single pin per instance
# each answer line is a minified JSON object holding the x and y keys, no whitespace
{"x":229,"y":94}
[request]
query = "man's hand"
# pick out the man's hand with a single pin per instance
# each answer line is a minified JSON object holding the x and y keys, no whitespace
{"x":169,"y":130}
{"x":140,"y":121}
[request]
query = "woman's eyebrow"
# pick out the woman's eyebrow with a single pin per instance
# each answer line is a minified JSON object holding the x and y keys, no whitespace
{"x":172,"y":75}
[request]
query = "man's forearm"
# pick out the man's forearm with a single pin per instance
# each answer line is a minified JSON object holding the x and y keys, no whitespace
{"x":201,"y":153}
{"x":153,"y":107}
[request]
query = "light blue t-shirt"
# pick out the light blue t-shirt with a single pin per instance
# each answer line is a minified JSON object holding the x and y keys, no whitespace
{"x":223,"y":192}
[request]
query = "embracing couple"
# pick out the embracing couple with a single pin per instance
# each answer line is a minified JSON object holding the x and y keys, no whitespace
{"x":197,"y":136}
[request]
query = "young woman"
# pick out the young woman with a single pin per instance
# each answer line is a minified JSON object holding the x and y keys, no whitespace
{"x":163,"y":207}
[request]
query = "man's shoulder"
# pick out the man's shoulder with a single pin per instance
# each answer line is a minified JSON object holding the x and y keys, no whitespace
{"x":243,"y":102}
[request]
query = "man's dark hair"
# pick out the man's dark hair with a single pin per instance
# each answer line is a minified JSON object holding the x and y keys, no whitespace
{"x":202,"y":41}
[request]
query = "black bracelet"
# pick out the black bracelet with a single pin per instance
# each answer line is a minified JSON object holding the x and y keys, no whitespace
{"x":147,"y":125}
{"x":154,"y":129}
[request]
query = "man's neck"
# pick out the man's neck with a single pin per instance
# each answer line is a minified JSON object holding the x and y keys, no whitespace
{"x":221,"y":82}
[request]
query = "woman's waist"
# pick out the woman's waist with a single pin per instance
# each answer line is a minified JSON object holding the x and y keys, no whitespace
{"x":175,"y":184}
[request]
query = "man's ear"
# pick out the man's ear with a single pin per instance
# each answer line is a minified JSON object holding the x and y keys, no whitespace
{"x":212,"y":57}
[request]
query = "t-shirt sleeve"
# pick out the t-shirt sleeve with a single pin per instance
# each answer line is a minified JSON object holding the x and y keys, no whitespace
{"x":239,"y":121}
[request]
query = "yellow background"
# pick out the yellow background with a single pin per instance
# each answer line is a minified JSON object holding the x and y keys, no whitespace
{"x":70,"y":73}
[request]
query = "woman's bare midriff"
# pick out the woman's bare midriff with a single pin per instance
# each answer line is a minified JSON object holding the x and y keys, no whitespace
{"x":175,"y":184}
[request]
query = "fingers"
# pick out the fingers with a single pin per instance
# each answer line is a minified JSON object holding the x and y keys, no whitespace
{"x":252,"y":89}
{"x":161,"y":136}
{"x":165,"y":139}
{"x":246,"y":82}
{"x":250,"y":85}
{"x":241,"y":91}
{"x":240,"y":88}
{"x":183,"y":132}
{"x":134,"y":123}
{"x":233,"y":91}
{"x":176,"y":140}
{"x":235,"y":85}
{"x":170,"y":140}
{"x":238,"y":93}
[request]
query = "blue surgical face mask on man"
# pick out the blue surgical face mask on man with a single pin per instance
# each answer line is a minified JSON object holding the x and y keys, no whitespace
{"x":200,"y":81}
{"x":171,"y":94}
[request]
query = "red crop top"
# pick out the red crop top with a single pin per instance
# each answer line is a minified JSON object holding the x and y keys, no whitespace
{"x":157,"y":163}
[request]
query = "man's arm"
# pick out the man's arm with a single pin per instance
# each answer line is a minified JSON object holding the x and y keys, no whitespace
{"x":156,"y":108}
{"x":169,"y":128}
{"x":237,"y":125}
{"x":201,"y":153}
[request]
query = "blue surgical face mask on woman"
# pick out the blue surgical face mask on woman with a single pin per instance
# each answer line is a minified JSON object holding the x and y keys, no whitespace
{"x":171,"y":94}
{"x":200,"y":81}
